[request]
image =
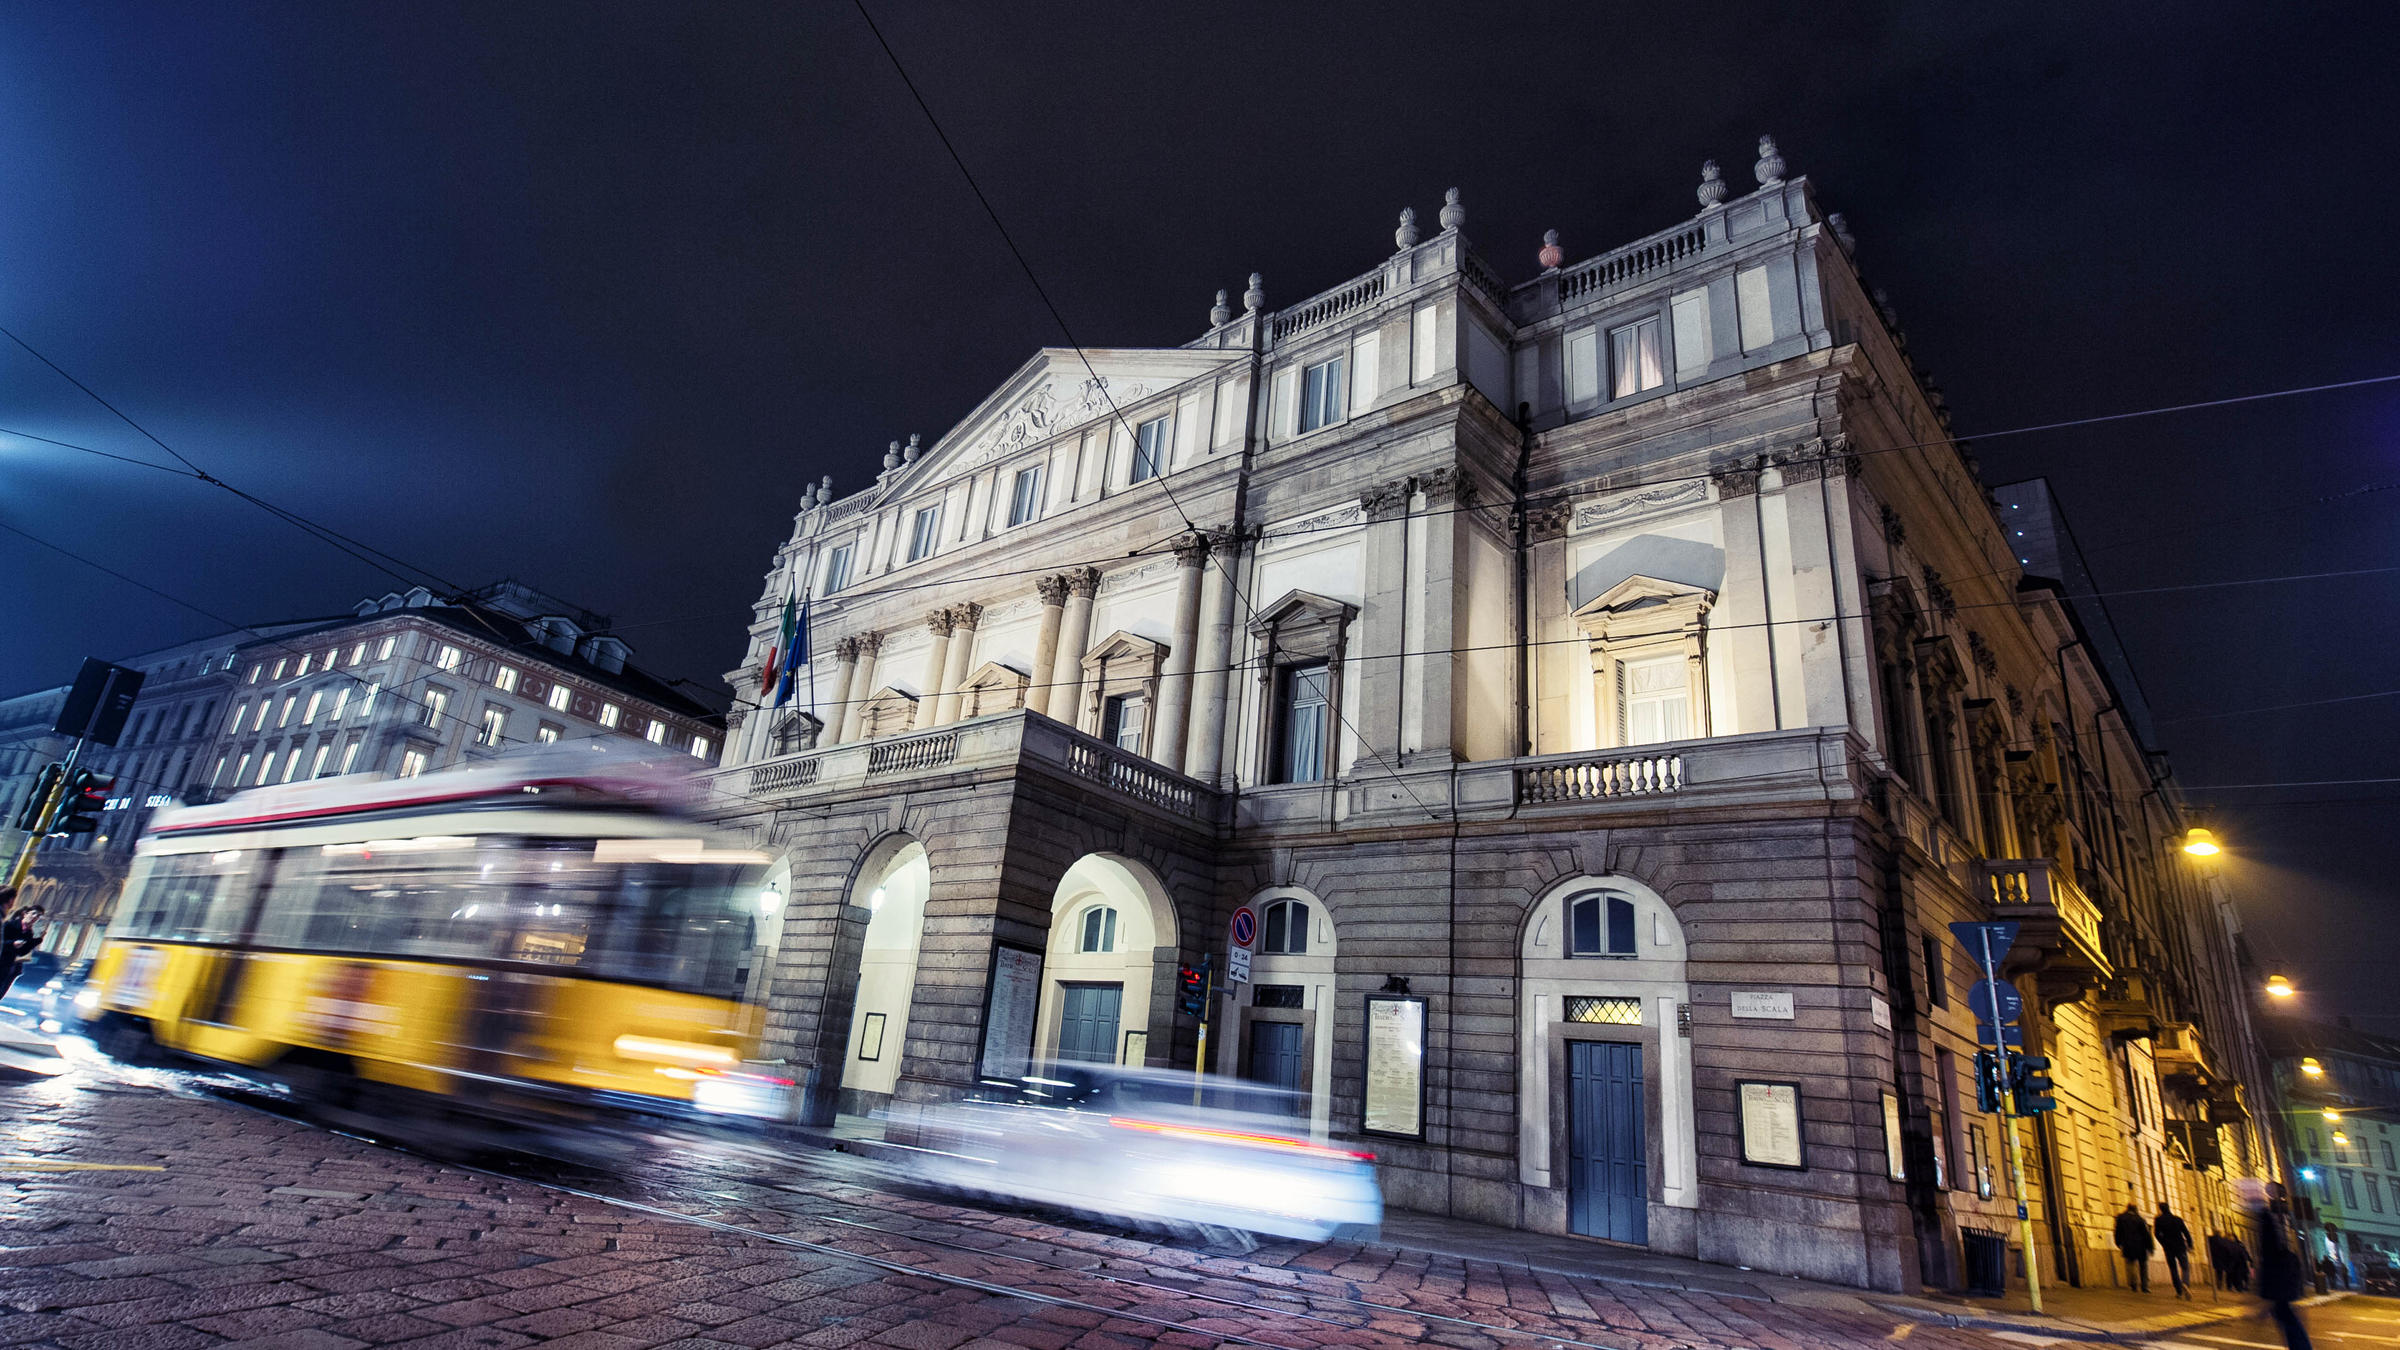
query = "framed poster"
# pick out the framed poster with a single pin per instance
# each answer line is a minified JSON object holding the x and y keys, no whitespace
{"x":1137,"y":1049}
{"x":1895,"y":1161}
{"x":1394,"y":1102}
{"x":1771,"y":1124}
{"x":1011,"y":997}
{"x":870,"y":1038}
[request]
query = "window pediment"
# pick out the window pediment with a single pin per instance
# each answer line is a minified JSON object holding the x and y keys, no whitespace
{"x":993,"y":688}
{"x":1302,"y":625}
{"x":889,"y":710}
{"x":1123,"y":653}
{"x":1644,"y":606}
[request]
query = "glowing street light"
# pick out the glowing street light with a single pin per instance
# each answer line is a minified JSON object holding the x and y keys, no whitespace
{"x":2280,"y":987}
{"x":2310,"y":1066}
{"x":2331,"y":1114}
{"x":2340,"y":1138}
{"x":2198,"y":842}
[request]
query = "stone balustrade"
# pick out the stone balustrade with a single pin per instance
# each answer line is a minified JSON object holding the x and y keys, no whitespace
{"x":1630,"y":263}
{"x":2036,"y":893}
{"x":1331,"y":305}
{"x":1639,"y":775}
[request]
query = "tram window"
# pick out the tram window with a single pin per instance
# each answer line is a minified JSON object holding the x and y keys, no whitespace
{"x":191,"y":897}
{"x":683,"y":926}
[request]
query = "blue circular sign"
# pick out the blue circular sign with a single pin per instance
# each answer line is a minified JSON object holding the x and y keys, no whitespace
{"x":1245,"y":926}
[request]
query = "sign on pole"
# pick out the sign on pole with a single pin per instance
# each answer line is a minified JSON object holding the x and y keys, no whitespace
{"x":1244,"y":928}
{"x":1237,"y":965}
{"x":2002,"y":932}
{"x":1996,"y":1001}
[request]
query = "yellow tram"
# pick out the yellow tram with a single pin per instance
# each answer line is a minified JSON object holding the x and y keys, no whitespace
{"x":538,"y":939}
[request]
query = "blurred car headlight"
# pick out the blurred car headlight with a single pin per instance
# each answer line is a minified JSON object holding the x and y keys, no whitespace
{"x":87,"y":999}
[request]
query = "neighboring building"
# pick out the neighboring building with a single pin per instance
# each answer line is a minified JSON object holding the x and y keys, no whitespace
{"x":1603,"y":690}
{"x":2341,"y":1091}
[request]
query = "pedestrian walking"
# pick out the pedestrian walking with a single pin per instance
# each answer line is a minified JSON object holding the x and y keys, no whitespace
{"x":19,"y":935}
{"x":2134,"y":1244}
{"x":2281,"y":1271}
{"x":2175,"y":1243}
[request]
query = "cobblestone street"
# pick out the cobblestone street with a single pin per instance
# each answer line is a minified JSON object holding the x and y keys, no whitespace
{"x":137,"y":1213}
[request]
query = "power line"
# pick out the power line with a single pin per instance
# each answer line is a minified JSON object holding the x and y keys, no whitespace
{"x":2280,"y":707}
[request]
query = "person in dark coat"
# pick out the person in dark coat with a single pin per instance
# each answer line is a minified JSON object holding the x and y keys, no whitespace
{"x":18,"y":936}
{"x":2282,"y":1273}
{"x":2230,"y":1261}
{"x":2134,"y":1244}
{"x":2175,"y":1244}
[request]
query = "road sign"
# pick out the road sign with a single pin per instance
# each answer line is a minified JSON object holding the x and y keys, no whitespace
{"x":1237,"y":965}
{"x":2003,"y":934}
{"x":1244,"y":928}
{"x":97,"y":705}
{"x":1987,"y":1034}
{"x":1995,"y":1001}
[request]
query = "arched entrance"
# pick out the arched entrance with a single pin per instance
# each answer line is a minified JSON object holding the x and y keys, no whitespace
{"x":1284,"y":1035}
{"x":891,"y":887}
{"x":1109,"y":969}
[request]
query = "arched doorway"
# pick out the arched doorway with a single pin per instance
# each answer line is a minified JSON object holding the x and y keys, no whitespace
{"x":1284,"y":1032}
{"x":1606,"y":1144}
{"x":891,"y":887}
{"x":1109,"y":969}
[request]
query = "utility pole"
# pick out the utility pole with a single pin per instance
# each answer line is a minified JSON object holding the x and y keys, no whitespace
{"x":2008,"y":1131}
{"x":103,"y":716}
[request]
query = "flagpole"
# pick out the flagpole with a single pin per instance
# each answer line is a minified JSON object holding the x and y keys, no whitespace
{"x":812,"y":667}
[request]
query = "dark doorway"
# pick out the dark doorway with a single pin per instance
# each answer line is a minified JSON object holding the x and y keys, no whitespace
{"x":1608,"y":1157}
{"x":1087,"y":1022}
{"x":1275,"y":1059}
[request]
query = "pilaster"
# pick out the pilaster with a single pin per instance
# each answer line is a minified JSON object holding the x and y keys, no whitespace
{"x":963,"y":621}
{"x":1074,"y":639}
{"x":1053,"y":593}
{"x":1175,"y":679}
{"x":1740,"y":629}
{"x":937,"y":657}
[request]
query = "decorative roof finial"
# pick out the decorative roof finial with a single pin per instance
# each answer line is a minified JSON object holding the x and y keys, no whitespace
{"x":1551,"y":255}
{"x":1255,"y":298}
{"x":1453,"y":215}
{"x":1712,"y":187}
{"x":1220,"y":313}
{"x":1406,"y":235}
{"x":1770,"y":163}
{"x":825,"y":490}
{"x":891,"y":457}
{"x":1840,"y":225}
{"x":908,"y":453}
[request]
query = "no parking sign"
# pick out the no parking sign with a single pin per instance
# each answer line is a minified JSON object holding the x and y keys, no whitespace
{"x":1244,"y":928}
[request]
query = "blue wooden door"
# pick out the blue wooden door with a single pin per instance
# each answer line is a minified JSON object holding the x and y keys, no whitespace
{"x":1087,"y":1023}
{"x":1275,"y":1058}
{"x":1608,"y":1157}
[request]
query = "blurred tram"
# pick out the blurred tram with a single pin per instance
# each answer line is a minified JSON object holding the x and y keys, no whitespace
{"x":542,"y":940}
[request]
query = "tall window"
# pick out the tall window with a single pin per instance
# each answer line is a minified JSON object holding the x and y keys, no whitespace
{"x":1099,"y":930}
{"x":495,"y":725}
{"x":316,"y":767}
{"x":610,"y":715}
{"x":1149,"y":449}
{"x":449,"y":658}
{"x":1286,"y":929}
{"x":548,"y":733}
{"x":358,"y":653}
{"x":291,"y":766}
{"x":1025,"y":501}
{"x":350,"y":755}
{"x":1321,"y":390}
{"x":240,"y":767}
{"x":240,"y":711}
{"x":437,"y":702}
{"x":1303,"y":709}
{"x":1658,"y":700}
{"x":290,"y":702}
{"x":278,"y":672}
{"x":561,"y":696}
{"x":412,"y":763}
{"x":1600,"y":925}
{"x":1937,"y":985}
{"x":921,"y":535}
{"x":366,"y":706}
{"x":1121,"y":721}
{"x":390,"y":644}
{"x":316,"y":704}
{"x":504,"y":679}
{"x":341,"y":700}
{"x":657,"y":732}
{"x":307,"y":659}
{"x":1635,"y":359}
{"x":700,"y":747}
{"x":837,"y":568}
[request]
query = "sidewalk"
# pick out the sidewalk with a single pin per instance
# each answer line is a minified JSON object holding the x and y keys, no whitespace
{"x":2088,"y":1314}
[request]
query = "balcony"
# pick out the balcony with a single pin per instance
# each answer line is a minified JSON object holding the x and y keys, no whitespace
{"x":2183,"y":1065}
{"x":2060,"y":924}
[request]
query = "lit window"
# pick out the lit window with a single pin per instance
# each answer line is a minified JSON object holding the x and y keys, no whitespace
{"x":1600,"y":925}
{"x":304,"y":664}
{"x":1321,"y":389}
{"x":610,"y":714}
{"x":548,"y":733}
{"x":341,"y":700}
{"x":290,"y":703}
{"x":350,"y":755}
{"x":316,"y":767}
{"x":291,"y":765}
{"x":366,"y":706}
{"x":837,"y":568}
{"x":1149,"y":449}
{"x":1658,"y":700}
{"x":449,"y":658}
{"x":700,"y":747}
{"x":495,"y":725}
{"x":1302,"y":716}
{"x":561,"y":696}
{"x":1636,"y":361}
{"x":316,"y":704}
{"x":358,"y":653}
{"x":389,"y":644}
{"x":266,"y":767}
{"x":1121,"y":719}
{"x":279,"y":663}
{"x":1286,"y":929}
{"x":330,"y":656}
{"x":240,"y":711}
{"x":504,"y":679}
{"x":921,"y":534}
{"x":657,"y":734}
{"x":412,"y":763}
{"x":437,"y":702}
{"x":240,"y":767}
{"x":1026,"y":500}
{"x":1099,"y":930}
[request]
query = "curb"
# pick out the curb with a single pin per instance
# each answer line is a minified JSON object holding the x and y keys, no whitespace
{"x":2056,"y":1331}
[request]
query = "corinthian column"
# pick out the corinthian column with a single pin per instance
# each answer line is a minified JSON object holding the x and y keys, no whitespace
{"x":937,"y":657}
{"x":1074,"y":638}
{"x":1053,"y":591}
{"x":862,"y":686}
{"x":837,"y":712}
{"x":963,"y":619}
{"x":1175,"y":678}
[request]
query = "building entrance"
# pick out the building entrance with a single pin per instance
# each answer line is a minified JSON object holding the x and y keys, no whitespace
{"x":1276,"y":1059}
{"x":1087,"y":1025}
{"x":1608,"y":1159}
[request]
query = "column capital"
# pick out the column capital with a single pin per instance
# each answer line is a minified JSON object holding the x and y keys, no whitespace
{"x":846,"y":649}
{"x":965,"y":616}
{"x":1052,"y":590}
{"x":1446,"y":485}
{"x":869,"y":643}
{"x":1737,"y":483}
{"x":937,"y":622}
{"x":1544,"y":523}
{"x":1384,"y":501}
{"x":1191,"y":548}
{"x":1084,"y":582}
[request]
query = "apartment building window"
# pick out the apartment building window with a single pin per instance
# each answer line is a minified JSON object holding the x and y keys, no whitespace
{"x":1025,"y":499}
{"x":1322,"y":393}
{"x":495,"y":725}
{"x":2374,"y":1195}
{"x":350,"y":754}
{"x":240,"y":767}
{"x":1303,"y":711}
{"x":291,"y":703}
{"x":837,"y":567}
{"x":560,"y":697}
{"x":240,"y":711}
{"x":316,"y":704}
{"x":700,"y":747}
{"x":2349,"y":1189}
{"x":1636,"y":359}
{"x":657,"y":732}
{"x":1937,"y":983}
{"x":306,"y":658}
{"x":390,"y":644}
{"x":1657,"y":700}
{"x":279,"y":664}
{"x":1149,"y":450}
{"x":610,"y":715}
{"x":449,"y":658}
{"x":923,"y":533}
{"x":437,"y":703}
{"x":504,"y":679}
{"x":548,"y":733}
{"x":266,"y":767}
{"x":2388,"y":1164}
{"x":1121,"y":720}
{"x":358,"y":653}
{"x":412,"y":763}
{"x":366,"y":706}
{"x":316,"y":767}
{"x":291,"y":766}
{"x":341,"y":700}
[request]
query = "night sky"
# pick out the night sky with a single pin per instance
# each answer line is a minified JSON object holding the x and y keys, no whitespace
{"x":583,"y":293}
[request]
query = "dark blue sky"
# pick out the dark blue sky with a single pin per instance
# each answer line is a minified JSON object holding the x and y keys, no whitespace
{"x":582,"y":293}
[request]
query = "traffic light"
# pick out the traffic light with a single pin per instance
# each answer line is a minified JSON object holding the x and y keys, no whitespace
{"x":87,"y":797}
{"x":2030,"y":1083}
{"x":1990,"y":1080}
{"x":1192,"y":989}
{"x":29,"y":816}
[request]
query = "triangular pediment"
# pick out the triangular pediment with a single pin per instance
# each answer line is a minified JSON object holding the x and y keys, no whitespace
{"x":1640,"y":592}
{"x":1296,"y":607}
{"x":994,"y":675}
{"x":1120,"y":647}
{"x":1054,"y":393}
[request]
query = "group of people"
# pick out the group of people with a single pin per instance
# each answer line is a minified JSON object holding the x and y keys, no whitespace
{"x":19,"y":935}
{"x":2282,"y":1272}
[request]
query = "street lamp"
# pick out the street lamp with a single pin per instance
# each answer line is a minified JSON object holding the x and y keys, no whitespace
{"x":2331,"y":1114}
{"x":2280,"y":987}
{"x":2198,"y":842}
{"x":2310,"y":1067}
